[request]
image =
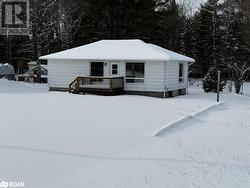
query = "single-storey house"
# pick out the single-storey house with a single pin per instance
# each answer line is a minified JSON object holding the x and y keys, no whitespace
{"x":127,"y":66}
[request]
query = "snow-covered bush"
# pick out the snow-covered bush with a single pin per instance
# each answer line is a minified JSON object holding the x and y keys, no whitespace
{"x":210,"y":81}
{"x":7,"y":71}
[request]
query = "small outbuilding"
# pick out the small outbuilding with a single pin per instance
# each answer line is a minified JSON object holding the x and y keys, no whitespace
{"x":119,"y":66}
{"x":36,"y":73}
{"x":7,"y":71}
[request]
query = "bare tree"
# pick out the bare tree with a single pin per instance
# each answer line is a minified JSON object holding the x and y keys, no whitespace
{"x":69,"y":22}
{"x":239,"y":75}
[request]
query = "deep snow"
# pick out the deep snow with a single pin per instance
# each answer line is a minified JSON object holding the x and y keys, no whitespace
{"x":53,"y":139}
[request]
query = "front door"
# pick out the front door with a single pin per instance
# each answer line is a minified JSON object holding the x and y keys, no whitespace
{"x":114,"y":69}
{"x":97,"y":68}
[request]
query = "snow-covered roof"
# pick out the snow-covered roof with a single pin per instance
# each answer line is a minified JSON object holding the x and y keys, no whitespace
{"x":119,"y":50}
{"x":44,"y":67}
{"x":32,"y":63}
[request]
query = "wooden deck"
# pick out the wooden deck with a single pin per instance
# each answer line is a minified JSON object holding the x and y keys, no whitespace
{"x":97,"y":85}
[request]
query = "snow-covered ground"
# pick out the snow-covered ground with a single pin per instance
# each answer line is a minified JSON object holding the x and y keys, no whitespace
{"x":53,"y":139}
{"x":246,"y":89}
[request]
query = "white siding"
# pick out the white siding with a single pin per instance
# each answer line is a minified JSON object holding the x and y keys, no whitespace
{"x":61,"y":72}
{"x":172,"y":76}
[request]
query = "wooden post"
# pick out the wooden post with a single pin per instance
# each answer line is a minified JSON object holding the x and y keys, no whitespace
{"x":242,"y":89}
{"x":218,"y":88}
{"x":111,"y":85}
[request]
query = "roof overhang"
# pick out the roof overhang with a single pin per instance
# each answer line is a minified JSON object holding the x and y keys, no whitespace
{"x":119,"y":50}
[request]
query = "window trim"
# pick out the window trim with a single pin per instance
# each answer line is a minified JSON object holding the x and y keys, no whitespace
{"x":181,"y":78}
{"x":131,"y":78}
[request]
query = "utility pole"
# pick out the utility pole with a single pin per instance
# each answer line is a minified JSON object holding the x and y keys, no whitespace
{"x":218,"y":88}
{"x":9,"y":45}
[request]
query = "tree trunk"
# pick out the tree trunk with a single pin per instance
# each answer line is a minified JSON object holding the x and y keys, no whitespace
{"x":248,"y":9}
{"x":231,"y":86}
{"x":237,"y":86}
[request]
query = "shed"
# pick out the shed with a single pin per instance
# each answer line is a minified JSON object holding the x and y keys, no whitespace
{"x":7,"y":71}
{"x":130,"y":66}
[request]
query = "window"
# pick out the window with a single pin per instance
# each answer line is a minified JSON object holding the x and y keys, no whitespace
{"x":135,"y":72}
{"x":114,"y":69}
{"x":181,"y":68}
{"x":97,"y":68}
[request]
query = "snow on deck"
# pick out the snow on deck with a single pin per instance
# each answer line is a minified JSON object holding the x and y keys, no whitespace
{"x":53,"y":139}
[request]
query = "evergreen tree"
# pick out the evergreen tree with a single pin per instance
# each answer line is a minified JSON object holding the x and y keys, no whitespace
{"x":170,"y":21}
{"x":107,"y":19}
{"x":210,"y":82}
{"x":207,"y":41}
{"x":3,"y":49}
{"x":237,"y":37}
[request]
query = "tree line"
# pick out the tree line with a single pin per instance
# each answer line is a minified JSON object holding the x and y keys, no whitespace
{"x":216,"y":35}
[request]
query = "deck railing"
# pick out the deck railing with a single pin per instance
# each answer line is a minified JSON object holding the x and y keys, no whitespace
{"x":96,"y":84}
